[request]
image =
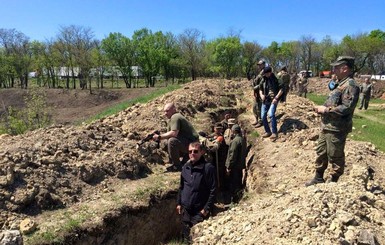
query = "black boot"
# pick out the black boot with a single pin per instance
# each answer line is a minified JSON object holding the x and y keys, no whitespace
{"x":334,"y":178}
{"x":318,"y":178}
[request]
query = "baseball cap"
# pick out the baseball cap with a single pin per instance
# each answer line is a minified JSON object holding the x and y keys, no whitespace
{"x":261,"y":62}
{"x":236,"y":127}
{"x":231,"y":121}
{"x":344,"y":60}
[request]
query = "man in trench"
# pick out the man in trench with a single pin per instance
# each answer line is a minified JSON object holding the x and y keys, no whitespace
{"x":180,"y":133}
{"x":197,"y":190}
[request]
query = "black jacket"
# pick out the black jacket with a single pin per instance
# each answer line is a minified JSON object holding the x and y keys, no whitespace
{"x":272,"y":83}
{"x":197,"y":186}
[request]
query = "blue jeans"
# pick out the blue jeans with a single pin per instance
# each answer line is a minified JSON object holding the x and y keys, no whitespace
{"x":268,"y":109}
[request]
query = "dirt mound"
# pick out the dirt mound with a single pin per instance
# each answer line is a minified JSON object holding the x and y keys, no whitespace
{"x":62,"y":166}
{"x":279,"y":209}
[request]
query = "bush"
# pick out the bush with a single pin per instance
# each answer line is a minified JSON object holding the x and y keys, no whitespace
{"x":35,"y":114}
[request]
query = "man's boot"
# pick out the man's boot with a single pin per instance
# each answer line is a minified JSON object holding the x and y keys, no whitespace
{"x":333,"y":178}
{"x":318,"y":178}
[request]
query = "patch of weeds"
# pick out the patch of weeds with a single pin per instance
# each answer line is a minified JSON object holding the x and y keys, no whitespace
{"x":253,"y":135}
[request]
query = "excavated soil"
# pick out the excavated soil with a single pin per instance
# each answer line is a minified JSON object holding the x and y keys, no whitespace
{"x":97,"y":170}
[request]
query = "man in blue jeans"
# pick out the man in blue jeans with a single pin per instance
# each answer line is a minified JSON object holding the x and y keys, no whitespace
{"x":270,"y":92}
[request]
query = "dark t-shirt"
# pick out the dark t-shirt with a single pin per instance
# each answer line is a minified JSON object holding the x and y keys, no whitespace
{"x":186,"y":130}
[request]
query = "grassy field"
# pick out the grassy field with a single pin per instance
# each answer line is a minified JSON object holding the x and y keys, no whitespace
{"x":120,"y":107}
{"x":368,"y":125}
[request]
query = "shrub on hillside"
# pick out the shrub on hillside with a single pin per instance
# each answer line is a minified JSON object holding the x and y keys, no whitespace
{"x":34,"y":115}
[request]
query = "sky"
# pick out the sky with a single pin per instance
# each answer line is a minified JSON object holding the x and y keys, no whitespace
{"x":255,"y":21}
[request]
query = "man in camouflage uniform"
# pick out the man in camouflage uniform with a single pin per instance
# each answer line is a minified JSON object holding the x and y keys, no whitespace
{"x":302,"y":85}
{"x":228,"y":135}
{"x":366,"y":92}
{"x":284,"y":76}
{"x":235,"y":163}
{"x":257,"y":99}
{"x":337,"y":121}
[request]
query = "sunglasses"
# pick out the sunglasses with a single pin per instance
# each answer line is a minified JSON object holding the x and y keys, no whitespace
{"x":193,"y":151}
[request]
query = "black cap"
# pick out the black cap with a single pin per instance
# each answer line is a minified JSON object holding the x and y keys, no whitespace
{"x":267,"y":69}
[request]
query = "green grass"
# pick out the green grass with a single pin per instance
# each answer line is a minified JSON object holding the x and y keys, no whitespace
{"x":376,"y":112}
{"x":372,"y":131}
{"x":316,"y":98}
{"x":124,"y":105}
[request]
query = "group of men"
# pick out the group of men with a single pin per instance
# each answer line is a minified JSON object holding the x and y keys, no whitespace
{"x":200,"y":179}
{"x":268,"y":91}
{"x":336,"y":113}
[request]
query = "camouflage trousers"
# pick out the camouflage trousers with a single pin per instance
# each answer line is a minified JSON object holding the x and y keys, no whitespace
{"x":257,"y":108}
{"x":330,"y":149}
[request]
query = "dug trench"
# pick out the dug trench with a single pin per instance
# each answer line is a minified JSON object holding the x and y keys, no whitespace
{"x":93,"y":185}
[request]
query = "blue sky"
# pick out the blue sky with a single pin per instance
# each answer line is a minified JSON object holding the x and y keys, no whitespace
{"x":260,"y":21}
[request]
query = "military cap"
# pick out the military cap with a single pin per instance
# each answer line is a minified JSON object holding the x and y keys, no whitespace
{"x":344,"y":60}
{"x":218,"y":125}
{"x":261,"y":62}
{"x":231,"y":121}
{"x":236,"y":127}
{"x":267,"y":69}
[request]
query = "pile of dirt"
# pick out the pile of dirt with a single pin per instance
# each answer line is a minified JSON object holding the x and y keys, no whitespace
{"x":279,"y":209}
{"x":62,"y":166}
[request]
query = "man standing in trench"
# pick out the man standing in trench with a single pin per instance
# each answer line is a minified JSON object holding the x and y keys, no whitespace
{"x":180,"y":133}
{"x":337,"y":121}
{"x":197,"y":189}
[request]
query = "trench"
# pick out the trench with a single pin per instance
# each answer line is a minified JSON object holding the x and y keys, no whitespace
{"x":154,"y":224}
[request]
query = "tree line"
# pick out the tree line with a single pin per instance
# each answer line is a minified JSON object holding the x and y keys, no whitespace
{"x":185,"y":56}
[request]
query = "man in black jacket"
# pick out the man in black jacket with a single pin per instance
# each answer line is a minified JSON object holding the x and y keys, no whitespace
{"x":197,"y":189}
{"x":270,"y":92}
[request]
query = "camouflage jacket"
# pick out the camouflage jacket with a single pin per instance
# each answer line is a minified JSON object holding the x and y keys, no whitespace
{"x":284,"y":77}
{"x":236,"y":153}
{"x":257,"y":83}
{"x":341,"y":103}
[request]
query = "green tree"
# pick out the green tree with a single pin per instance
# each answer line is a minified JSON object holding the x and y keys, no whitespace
{"x":227,"y":56}
{"x":16,"y":48}
{"x":192,"y":50}
{"x":121,"y":51}
{"x":150,"y":51}
{"x":250,"y":52}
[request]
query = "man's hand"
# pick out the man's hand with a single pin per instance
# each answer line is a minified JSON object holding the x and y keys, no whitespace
{"x":179,"y":209}
{"x":156,"y":137}
{"x":228,"y":171}
{"x":321,"y":109}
